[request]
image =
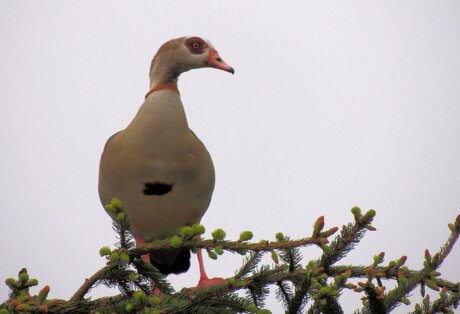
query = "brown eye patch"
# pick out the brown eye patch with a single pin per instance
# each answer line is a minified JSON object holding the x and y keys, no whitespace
{"x":196,"y":45}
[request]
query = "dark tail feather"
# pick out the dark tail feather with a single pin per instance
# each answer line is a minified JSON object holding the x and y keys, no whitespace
{"x":171,"y":261}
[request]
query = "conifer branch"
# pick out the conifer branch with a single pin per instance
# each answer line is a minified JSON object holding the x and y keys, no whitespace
{"x":318,"y":284}
{"x":349,"y":237}
{"x":231,"y":246}
{"x":427,"y":274}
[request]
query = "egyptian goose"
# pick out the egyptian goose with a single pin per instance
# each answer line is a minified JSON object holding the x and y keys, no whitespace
{"x":157,"y":166}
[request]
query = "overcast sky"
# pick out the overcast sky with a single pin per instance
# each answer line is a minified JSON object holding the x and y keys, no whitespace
{"x":333,"y":105}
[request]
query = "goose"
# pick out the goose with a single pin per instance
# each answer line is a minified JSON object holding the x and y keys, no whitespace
{"x":159,"y":169}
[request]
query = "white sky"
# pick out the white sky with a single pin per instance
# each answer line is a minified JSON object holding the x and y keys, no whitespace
{"x":332,"y":105}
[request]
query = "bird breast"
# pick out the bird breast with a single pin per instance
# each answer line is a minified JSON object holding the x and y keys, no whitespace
{"x":160,"y":170}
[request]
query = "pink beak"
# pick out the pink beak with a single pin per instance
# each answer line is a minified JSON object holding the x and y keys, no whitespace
{"x":215,"y":61}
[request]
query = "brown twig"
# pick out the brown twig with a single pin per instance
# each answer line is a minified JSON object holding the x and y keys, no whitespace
{"x":89,"y":283}
{"x":234,"y":246}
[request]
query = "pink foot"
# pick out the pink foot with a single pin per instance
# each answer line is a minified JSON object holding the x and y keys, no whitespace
{"x":205,"y":282}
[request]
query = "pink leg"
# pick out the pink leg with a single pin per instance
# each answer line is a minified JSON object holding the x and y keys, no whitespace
{"x":146,"y":258}
{"x":205,"y":282}
{"x":140,"y":242}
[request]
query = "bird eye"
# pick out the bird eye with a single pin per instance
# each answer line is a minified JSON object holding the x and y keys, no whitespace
{"x":196,"y":45}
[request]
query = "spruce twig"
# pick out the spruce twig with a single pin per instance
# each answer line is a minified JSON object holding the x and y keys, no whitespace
{"x":89,"y":283}
{"x":431,"y":264}
{"x":349,"y":237}
{"x":283,"y":293}
{"x":297,"y":302}
{"x":249,"y":264}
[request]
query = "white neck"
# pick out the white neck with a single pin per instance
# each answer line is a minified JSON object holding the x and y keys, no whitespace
{"x":162,"y":72}
{"x":159,"y":120}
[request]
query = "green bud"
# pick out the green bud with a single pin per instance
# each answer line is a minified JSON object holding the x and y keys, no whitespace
{"x":218,"y":234}
{"x":311,"y":265}
{"x":121,"y":217}
{"x":198,"y":229}
{"x":124,"y":258}
{"x":114,"y":206}
{"x":370,"y":214}
{"x":139,"y":297}
{"x":426,"y":301}
{"x":176,"y":241}
{"x":356,"y":211}
{"x":324,"y":290}
{"x":212,"y":254}
{"x":116,"y":202}
{"x":405,"y":301}
{"x":186,"y":232}
{"x":154,"y":300}
{"x":4,"y":311}
{"x":114,"y":257}
{"x":129,"y":307}
{"x":245,"y":236}
{"x":105,"y":251}
{"x":23,"y":277}
{"x":279,"y":236}
{"x":11,"y":282}
{"x":432,"y":284}
{"x":32,"y":282}
{"x":379,"y":258}
{"x":219,"y":250}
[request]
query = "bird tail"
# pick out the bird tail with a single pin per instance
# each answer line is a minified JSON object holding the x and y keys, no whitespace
{"x":171,"y":261}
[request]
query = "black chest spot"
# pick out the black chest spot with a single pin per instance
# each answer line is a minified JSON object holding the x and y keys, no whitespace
{"x":157,"y":188}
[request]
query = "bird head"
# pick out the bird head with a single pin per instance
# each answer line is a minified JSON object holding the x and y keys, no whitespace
{"x":183,"y":54}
